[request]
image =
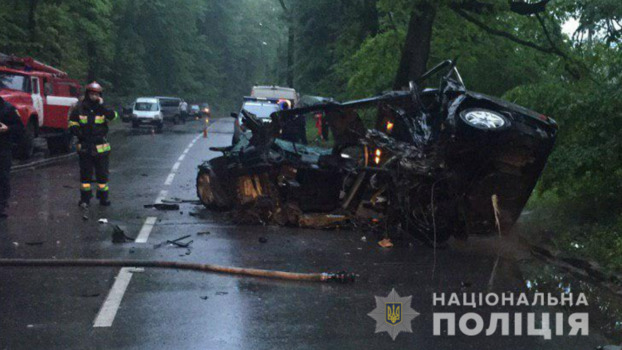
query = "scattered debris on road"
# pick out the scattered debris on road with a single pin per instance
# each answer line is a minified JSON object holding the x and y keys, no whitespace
{"x":163,"y":206}
{"x":119,"y":236}
{"x":385,"y":243}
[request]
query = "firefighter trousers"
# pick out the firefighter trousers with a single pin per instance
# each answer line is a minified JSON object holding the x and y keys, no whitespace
{"x":93,"y":165}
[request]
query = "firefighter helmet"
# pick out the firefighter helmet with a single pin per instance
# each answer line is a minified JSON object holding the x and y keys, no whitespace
{"x":94,"y":87}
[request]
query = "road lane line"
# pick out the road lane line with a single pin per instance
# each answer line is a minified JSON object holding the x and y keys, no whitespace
{"x":109,"y":309}
{"x":145,"y":231}
{"x":169,"y":179}
{"x":161,"y":196}
{"x":107,"y":313}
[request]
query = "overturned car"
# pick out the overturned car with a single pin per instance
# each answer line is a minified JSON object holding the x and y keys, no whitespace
{"x":433,"y":162}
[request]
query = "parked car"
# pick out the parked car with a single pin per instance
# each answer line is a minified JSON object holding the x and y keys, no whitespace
{"x":126,"y":113}
{"x":43,"y":96}
{"x":195,"y":110}
{"x":171,"y":109}
{"x":438,"y":162}
{"x":261,"y":108}
{"x":206,"y":111}
{"x":147,"y":111}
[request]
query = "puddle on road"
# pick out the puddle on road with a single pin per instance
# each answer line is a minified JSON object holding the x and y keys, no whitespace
{"x":604,"y":307}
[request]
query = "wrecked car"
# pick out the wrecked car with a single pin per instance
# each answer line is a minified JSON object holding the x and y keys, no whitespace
{"x":433,"y":162}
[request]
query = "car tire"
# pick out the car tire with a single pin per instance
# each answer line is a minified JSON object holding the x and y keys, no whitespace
{"x":159,"y":128}
{"x":135,"y":125}
{"x":484,"y":119}
{"x":211,"y":190}
{"x":26,"y":147}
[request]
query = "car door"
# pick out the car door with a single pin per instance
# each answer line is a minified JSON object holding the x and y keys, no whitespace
{"x":37,"y":99}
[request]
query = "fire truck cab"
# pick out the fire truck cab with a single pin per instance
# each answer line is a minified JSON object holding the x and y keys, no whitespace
{"x":43,"y":96}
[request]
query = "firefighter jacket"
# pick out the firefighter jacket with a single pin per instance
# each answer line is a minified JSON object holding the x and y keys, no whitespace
{"x":10,"y":118}
{"x":89,"y":123}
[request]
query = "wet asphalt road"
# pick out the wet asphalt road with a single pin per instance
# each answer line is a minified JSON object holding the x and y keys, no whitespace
{"x":45,"y":308}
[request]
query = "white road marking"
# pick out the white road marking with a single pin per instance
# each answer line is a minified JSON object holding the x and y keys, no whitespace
{"x":161,"y":196}
{"x":169,"y":179}
{"x":145,"y":231}
{"x":109,"y":309}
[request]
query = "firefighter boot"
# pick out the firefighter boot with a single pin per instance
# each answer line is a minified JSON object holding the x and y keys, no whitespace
{"x":103,"y":198}
{"x":85,"y":198}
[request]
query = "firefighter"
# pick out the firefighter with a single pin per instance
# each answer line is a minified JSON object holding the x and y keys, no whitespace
{"x":11,"y":129}
{"x":89,"y":123}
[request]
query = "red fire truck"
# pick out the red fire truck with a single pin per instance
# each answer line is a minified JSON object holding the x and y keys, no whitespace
{"x":43,"y":96}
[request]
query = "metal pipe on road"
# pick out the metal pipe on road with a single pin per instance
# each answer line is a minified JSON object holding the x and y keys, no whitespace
{"x":342,"y":277}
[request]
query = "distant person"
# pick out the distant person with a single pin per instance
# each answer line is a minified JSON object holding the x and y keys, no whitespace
{"x":11,"y":130}
{"x":184,"y":110}
{"x":89,"y":123}
{"x":294,"y":128}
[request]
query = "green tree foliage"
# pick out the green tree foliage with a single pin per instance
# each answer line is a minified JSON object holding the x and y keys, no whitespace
{"x":204,"y":51}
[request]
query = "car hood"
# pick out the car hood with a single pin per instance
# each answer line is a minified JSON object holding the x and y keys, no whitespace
{"x":146,"y":114}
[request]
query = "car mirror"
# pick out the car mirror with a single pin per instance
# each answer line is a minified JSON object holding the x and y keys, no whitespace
{"x":233,"y":115}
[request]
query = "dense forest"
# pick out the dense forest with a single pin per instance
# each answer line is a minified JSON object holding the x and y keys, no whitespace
{"x":204,"y":51}
{"x":559,"y":57}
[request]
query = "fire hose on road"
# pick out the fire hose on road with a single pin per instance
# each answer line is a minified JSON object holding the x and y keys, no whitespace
{"x":341,"y":277}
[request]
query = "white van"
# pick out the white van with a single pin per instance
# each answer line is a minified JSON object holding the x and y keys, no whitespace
{"x":147,"y":110}
{"x":275,"y":92}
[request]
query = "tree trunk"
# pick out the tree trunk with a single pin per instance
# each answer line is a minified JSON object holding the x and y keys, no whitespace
{"x":290,"y":54}
{"x":416,"y":50}
{"x":291,"y":36}
{"x":92,"y":68}
{"x":32,"y":20}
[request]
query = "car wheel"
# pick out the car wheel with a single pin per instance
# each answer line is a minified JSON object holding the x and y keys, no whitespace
{"x":135,"y":125}
{"x":484,"y":119}
{"x":210,"y":190}
{"x":159,"y":128}
{"x":26,"y":147}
